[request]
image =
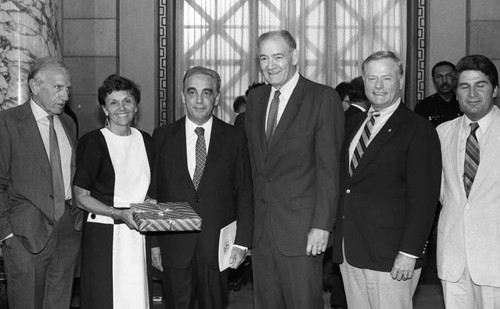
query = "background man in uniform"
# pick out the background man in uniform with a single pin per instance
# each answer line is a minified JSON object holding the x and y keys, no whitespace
{"x":442,"y":105}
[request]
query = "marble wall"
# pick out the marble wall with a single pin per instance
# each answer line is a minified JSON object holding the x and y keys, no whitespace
{"x":28,"y":30}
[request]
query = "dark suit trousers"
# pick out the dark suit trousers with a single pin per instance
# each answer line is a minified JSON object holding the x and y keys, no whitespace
{"x":292,"y":282}
{"x":198,"y":283}
{"x":43,"y":280}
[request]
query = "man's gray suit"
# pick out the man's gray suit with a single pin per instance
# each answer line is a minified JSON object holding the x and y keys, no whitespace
{"x":26,"y":191}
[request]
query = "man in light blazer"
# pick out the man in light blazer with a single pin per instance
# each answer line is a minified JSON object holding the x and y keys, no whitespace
{"x":38,"y":223}
{"x":468,"y":248}
{"x":189,"y":260}
{"x":294,"y":141}
{"x":389,"y":192}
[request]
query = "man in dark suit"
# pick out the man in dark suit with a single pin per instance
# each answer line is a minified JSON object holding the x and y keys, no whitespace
{"x":223,"y":193}
{"x":37,"y":219}
{"x":295,"y":129}
{"x":390,"y":181}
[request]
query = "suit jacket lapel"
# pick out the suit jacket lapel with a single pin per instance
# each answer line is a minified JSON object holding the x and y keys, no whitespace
{"x":383,"y":136}
{"x":29,"y":129}
{"x":179,"y":152}
{"x":289,"y":113}
{"x":453,"y":142}
{"x":216,"y":145}
{"x":490,"y":153}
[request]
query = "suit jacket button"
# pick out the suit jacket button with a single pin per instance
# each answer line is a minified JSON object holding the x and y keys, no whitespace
{"x":92,"y":216}
{"x":196,"y":200}
{"x":51,"y":197}
{"x":348,"y":191}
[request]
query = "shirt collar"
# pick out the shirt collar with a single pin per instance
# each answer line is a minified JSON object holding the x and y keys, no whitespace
{"x":485,"y":122}
{"x":388,"y":110}
{"x":38,"y":112}
{"x":287,"y":89}
{"x":190,"y":126}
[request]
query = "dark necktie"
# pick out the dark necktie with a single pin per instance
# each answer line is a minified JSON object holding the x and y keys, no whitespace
{"x":363,"y":142}
{"x":57,"y":177}
{"x":471,"y":158}
{"x":273,"y":115}
{"x":201,"y":156}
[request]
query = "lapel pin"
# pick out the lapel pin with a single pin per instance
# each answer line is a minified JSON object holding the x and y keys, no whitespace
{"x":389,"y":130}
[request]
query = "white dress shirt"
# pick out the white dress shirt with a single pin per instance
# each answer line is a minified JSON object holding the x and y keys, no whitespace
{"x":286,"y":92}
{"x":43,"y":123}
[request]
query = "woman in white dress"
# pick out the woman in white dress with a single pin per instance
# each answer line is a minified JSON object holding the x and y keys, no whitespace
{"x":114,"y":170}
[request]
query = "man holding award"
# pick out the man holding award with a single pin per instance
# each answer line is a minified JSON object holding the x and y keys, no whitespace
{"x":202,"y":161}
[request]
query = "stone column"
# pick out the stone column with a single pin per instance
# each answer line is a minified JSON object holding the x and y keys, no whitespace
{"x":28,"y":30}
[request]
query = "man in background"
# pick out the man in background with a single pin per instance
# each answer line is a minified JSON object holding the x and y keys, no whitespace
{"x":442,"y":105}
{"x":37,"y":219}
{"x":468,"y":248}
{"x":295,"y":129}
{"x":390,"y":179}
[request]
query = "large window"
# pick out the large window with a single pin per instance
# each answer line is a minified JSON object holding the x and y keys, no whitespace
{"x":333,"y":38}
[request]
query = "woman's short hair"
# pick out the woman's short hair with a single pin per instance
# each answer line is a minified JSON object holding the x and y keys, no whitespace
{"x":115,"y":82}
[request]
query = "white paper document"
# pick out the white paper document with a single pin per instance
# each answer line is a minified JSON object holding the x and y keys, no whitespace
{"x":226,"y":242}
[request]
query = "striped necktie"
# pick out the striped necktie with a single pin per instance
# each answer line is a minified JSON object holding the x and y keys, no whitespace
{"x":364,"y":140}
{"x":201,"y":156}
{"x":471,"y":158}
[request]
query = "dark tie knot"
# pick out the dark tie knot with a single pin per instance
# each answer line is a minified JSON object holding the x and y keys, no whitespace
{"x":51,"y":118}
{"x":473,"y":127}
{"x":199,"y":131}
{"x":277,"y":94}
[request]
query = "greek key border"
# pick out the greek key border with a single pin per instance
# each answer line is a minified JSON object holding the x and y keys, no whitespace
{"x":421,"y":42}
{"x":162,"y":61}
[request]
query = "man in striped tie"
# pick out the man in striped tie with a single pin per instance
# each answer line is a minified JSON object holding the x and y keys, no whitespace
{"x":390,"y":179}
{"x":468,"y":249}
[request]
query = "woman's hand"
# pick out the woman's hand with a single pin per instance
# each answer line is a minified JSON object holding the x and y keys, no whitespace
{"x":126,"y":216}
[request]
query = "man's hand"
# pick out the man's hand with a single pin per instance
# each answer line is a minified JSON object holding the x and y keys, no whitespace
{"x":316,"y":241}
{"x":237,"y":257}
{"x":156,"y":258}
{"x":403,"y":267}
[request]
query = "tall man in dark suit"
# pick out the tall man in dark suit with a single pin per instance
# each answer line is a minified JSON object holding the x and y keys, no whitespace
{"x":37,"y":220}
{"x":390,"y":179}
{"x":295,"y":129}
{"x":217,"y":185}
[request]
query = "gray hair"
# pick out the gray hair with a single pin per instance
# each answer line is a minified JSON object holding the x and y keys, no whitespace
{"x":383,"y":54}
{"x":205,"y":71}
{"x":284,"y":34}
{"x":45,"y":63}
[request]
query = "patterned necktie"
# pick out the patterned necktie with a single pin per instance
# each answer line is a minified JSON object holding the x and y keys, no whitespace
{"x":57,"y":177}
{"x":364,"y":140}
{"x":273,"y":115}
{"x":471,"y":158}
{"x":201,"y":156}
